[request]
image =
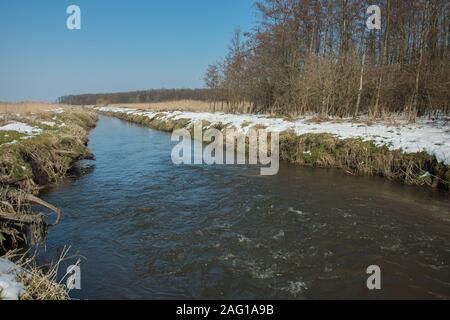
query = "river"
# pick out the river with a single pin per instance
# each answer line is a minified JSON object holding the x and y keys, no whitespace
{"x":148,"y":229}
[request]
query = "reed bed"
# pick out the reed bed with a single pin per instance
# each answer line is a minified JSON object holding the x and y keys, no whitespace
{"x":30,"y":107}
{"x":179,"y":105}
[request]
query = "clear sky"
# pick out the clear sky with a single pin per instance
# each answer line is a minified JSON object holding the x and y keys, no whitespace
{"x":122,"y":45}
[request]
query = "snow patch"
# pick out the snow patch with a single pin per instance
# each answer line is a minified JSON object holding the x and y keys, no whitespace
{"x":21,"y":128}
{"x":9,"y":143}
{"x":10,"y":288}
{"x":49,"y":123}
{"x":57,"y":111}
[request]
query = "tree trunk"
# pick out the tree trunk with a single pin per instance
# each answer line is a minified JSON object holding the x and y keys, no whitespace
{"x":358,"y":102}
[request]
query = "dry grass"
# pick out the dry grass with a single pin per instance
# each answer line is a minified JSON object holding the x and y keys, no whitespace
{"x":29,"y":107}
{"x":181,"y":105}
{"x":186,"y":105}
{"x":40,"y":282}
{"x":178,"y":105}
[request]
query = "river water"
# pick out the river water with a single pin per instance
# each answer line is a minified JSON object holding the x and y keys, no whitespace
{"x":147,"y":229}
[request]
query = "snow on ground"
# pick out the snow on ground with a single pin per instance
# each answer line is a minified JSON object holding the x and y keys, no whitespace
{"x":10,"y":143}
{"x":431,"y":136}
{"x":21,"y":128}
{"x":57,"y":110}
{"x":10,"y":288}
{"x":49,"y":123}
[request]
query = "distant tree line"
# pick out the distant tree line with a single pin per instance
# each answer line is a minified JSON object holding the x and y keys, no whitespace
{"x":319,"y":56}
{"x":154,"y":95}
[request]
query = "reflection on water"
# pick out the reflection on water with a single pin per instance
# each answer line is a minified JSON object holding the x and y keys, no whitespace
{"x":152,"y":230}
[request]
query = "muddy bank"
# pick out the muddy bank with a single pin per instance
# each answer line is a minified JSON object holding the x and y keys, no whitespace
{"x":36,"y":150}
{"x":353,"y":154}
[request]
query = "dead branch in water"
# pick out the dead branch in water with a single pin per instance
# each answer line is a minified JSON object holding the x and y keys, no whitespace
{"x":36,"y":200}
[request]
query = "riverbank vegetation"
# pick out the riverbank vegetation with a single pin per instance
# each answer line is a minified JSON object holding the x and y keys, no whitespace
{"x":175,"y":105}
{"x":25,"y":280}
{"x":356,"y":156}
{"x":38,"y":147}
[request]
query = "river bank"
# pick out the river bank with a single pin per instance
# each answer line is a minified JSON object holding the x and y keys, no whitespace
{"x":412,"y":153}
{"x":37,"y":149}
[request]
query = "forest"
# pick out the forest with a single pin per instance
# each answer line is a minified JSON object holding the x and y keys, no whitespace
{"x":319,"y":56}
{"x":153,"y":95}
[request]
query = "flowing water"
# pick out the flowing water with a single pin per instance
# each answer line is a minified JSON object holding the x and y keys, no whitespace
{"x":150,"y":230}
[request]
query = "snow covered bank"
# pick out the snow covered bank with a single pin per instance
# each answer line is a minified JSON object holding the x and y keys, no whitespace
{"x":431,"y":136}
{"x":10,"y":288}
{"x":21,"y":128}
{"x":57,"y":110}
{"x":15,"y":128}
{"x":49,"y":123}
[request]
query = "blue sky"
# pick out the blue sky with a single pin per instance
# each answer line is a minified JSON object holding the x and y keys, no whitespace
{"x":122,"y":45}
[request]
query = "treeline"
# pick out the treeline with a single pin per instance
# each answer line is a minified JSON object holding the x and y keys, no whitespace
{"x":154,"y":95}
{"x":320,"y":56}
